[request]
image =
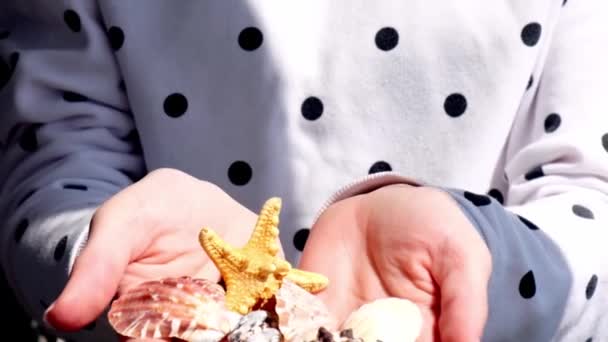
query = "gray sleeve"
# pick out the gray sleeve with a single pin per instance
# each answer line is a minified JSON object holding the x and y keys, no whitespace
{"x":68,"y":140}
{"x":538,"y":291}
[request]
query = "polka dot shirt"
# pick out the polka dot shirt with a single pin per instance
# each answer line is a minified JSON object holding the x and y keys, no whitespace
{"x":499,"y":103}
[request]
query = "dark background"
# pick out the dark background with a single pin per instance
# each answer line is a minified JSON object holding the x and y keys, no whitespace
{"x":15,"y":321}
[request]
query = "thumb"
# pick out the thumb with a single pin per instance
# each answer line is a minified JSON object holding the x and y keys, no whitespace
{"x":96,"y":273}
{"x":464,"y":285}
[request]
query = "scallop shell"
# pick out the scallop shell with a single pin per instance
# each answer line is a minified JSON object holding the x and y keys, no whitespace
{"x":300,"y":313}
{"x":185,"y":308}
{"x":387,"y":319}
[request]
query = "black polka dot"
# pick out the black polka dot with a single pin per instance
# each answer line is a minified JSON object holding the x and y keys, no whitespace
{"x":60,"y":248}
{"x":20,"y":230}
{"x":455,"y":105}
{"x":552,"y":122}
{"x":530,"y":82}
{"x":26,"y":196}
{"x":116,"y":37}
{"x":312,"y":108}
{"x":380,"y":166}
{"x":387,"y":38}
{"x":605,"y":141}
{"x":72,"y":19}
{"x":527,"y":285}
{"x":299,"y":239}
{"x":530,"y":34}
{"x":91,"y":326}
{"x":536,"y":172}
{"x":80,"y":187}
{"x":476,"y":199}
{"x":239,"y":173}
{"x":250,"y":38}
{"x":591,"y":286}
{"x":4,"y":34}
{"x":70,"y":96}
{"x":527,"y":222}
{"x":175,"y":105}
{"x":564,"y":4}
{"x":29,"y":140}
{"x":582,"y":211}
{"x":497,"y":195}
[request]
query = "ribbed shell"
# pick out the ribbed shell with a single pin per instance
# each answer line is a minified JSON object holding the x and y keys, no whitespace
{"x":185,"y":308}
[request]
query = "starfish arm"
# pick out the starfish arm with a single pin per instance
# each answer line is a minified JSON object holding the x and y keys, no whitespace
{"x":310,"y":281}
{"x":226,"y":258}
{"x":265,"y":234}
{"x":282,"y":268}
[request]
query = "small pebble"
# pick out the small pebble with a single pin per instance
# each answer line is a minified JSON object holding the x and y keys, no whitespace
{"x":324,"y":335}
{"x":347,"y":333}
{"x":254,"y":327}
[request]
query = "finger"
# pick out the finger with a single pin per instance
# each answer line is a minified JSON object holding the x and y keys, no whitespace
{"x":464,"y":286}
{"x":99,"y":268}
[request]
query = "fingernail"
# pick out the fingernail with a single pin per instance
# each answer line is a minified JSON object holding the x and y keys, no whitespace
{"x":45,"y":319}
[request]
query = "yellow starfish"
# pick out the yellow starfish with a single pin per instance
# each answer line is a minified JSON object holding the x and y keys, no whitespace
{"x":255,"y":272}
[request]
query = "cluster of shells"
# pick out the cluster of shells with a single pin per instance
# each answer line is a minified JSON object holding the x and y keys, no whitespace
{"x":193,"y":310}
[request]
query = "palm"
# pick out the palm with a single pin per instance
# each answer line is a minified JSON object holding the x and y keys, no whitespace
{"x":359,"y":272}
{"x":168,"y":245}
{"x":375,"y":246}
{"x":146,"y":232}
{"x":166,"y":259}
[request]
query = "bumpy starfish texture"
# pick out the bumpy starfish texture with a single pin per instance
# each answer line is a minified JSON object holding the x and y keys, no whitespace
{"x":255,"y":272}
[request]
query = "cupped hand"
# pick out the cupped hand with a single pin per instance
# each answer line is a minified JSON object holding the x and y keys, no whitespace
{"x":145,"y":232}
{"x":407,"y":242}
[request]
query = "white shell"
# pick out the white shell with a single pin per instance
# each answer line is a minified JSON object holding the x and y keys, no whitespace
{"x":387,"y":320}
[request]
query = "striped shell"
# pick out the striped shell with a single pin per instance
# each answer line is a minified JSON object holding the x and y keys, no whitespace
{"x":185,"y":308}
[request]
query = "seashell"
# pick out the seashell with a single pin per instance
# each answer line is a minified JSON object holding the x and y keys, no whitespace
{"x":254,"y":327}
{"x":300,"y":313}
{"x":185,"y":308}
{"x":387,"y":319}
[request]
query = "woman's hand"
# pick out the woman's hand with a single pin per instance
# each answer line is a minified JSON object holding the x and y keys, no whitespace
{"x":145,"y":232}
{"x":408,"y":242}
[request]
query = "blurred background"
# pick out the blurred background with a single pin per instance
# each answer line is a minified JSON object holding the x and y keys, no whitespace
{"x":15,"y":322}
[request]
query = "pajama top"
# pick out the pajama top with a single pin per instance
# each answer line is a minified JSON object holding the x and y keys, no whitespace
{"x":500,"y":103}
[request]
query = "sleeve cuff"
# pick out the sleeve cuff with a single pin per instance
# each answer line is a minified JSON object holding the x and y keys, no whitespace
{"x":367,"y":184}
